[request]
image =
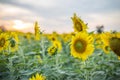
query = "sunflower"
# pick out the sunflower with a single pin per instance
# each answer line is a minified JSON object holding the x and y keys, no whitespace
{"x":3,"y":41}
{"x":66,"y":37}
{"x":105,"y":37}
{"x":13,"y":42}
{"x":28,"y":36}
{"x":52,"y":49}
{"x":106,"y":48}
{"x":79,"y":25}
{"x":52,"y":38}
{"x":119,"y":57}
{"x":37,"y":77}
{"x":0,"y":30}
{"x":113,"y":40}
{"x":37,"y":31}
{"x":105,"y":42}
{"x":81,"y":45}
{"x":115,"y":45}
{"x":58,"y":45}
{"x":98,"y":42}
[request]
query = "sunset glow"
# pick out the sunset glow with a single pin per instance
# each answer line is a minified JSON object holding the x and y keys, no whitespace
{"x":18,"y":24}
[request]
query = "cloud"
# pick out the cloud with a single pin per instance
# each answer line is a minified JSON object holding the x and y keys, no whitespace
{"x":109,"y":20}
{"x":55,"y":14}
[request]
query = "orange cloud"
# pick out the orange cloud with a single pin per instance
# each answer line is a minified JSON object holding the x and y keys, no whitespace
{"x":17,"y":25}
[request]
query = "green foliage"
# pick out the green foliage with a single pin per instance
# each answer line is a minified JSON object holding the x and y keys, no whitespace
{"x":24,"y":63}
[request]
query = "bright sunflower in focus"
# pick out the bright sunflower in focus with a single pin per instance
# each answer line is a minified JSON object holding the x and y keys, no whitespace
{"x":37,"y":77}
{"x":3,"y":41}
{"x":82,"y":45}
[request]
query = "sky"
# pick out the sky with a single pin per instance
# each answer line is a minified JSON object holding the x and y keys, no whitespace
{"x":55,"y":15}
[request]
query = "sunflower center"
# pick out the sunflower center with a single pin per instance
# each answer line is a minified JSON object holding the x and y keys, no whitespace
{"x":2,"y":42}
{"x":107,"y":48}
{"x":79,"y":46}
{"x":115,"y":45}
{"x":12,"y":43}
{"x":53,"y":39}
{"x":78,"y":26}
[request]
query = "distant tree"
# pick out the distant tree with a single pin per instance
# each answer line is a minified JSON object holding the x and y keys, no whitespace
{"x":100,"y":29}
{"x":3,"y":28}
{"x":114,"y":31}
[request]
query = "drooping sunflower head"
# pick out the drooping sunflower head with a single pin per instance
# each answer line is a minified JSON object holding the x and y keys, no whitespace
{"x":112,"y":40}
{"x":37,"y":31}
{"x":37,"y":77}
{"x":36,"y":27}
{"x":0,"y":30}
{"x":13,"y":42}
{"x":3,"y":41}
{"x":115,"y":45}
{"x":15,"y":36}
{"x":81,"y":45}
{"x":79,"y":25}
{"x":13,"y":45}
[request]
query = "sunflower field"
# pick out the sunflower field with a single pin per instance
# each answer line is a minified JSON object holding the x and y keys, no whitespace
{"x":79,"y":55}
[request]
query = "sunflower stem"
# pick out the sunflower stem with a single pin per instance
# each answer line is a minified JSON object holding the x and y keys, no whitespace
{"x":86,"y":71}
{"x":42,"y":46}
{"x":57,"y":61}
